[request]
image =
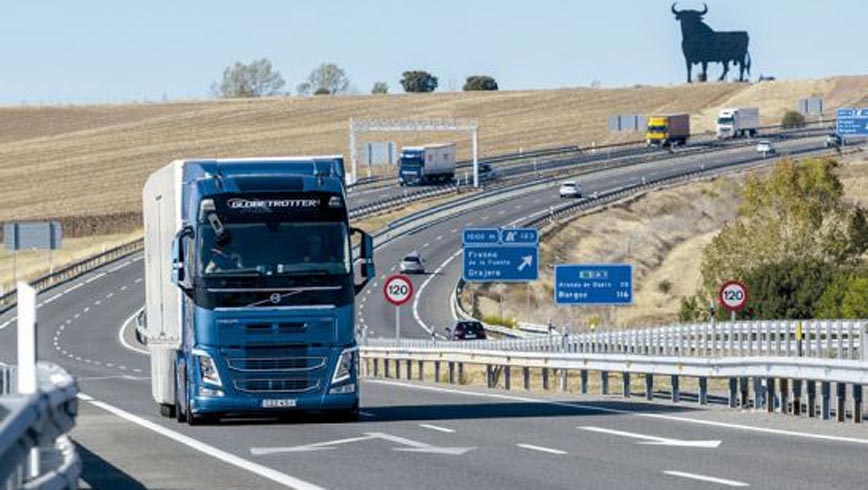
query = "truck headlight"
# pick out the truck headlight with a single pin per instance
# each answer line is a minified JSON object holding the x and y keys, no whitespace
{"x":346,"y":362}
{"x":207,"y":368}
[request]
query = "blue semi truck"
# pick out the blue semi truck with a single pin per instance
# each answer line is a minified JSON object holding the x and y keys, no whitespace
{"x":250,"y":288}
{"x":429,"y":164}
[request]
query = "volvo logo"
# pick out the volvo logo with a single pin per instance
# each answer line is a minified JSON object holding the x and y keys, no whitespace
{"x":275,"y":298}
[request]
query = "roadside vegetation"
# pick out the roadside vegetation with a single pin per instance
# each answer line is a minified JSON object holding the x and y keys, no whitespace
{"x":796,"y":243}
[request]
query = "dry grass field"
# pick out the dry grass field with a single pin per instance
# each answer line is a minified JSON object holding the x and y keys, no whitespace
{"x":91,"y":161}
{"x":661,"y":233}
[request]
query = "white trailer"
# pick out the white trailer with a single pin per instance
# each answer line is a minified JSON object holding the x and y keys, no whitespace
{"x":162,"y":217}
{"x":738,"y":122}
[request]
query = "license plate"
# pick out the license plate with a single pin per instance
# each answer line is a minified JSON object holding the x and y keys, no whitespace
{"x":470,"y":336}
{"x":277,"y":403}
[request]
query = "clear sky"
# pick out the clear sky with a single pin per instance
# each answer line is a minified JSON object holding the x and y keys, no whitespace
{"x":94,"y":51}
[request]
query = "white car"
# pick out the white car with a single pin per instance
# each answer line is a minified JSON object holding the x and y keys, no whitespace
{"x":570,"y":189}
{"x":765,"y":146}
{"x":413,"y":263}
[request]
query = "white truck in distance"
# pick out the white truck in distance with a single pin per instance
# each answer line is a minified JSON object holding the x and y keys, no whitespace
{"x":738,"y":122}
{"x":429,"y":164}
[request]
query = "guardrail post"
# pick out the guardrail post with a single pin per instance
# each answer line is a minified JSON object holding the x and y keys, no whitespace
{"x":525,"y":374}
{"x":825,"y":400}
{"x":421,"y":371}
{"x":545,"y":379}
{"x":460,"y":372}
{"x":676,"y":389}
{"x":785,"y":395}
{"x":436,"y":371}
{"x":744,"y":389}
{"x":841,"y":408}
{"x":562,"y":379}
{"x":409,"y":369}
{"x":451,"y":373}
{"x":757,"y":393}
{"x":489,"y":376}
{"x":797,"y":397}
{"x":812,"y":398}
{"x":703,"y":390}
{"x":625,"y":377}
{"x":857,"y":403}
{"x":376,"y":367}
{"x":507,"y":378}
{"x":397,"y":369}
{"x":649,"y":386}
{"x":770,"y":395}
{"x":604,"y":382}
{"x":583,"y":377}
{"x":733,"y":392}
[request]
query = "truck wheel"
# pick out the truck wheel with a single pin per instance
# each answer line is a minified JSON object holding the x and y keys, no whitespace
{"x":347,"y":415}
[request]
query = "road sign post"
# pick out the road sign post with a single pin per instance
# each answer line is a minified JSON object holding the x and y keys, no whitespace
{"x":733,"y":296}
{"x":398,"y":289}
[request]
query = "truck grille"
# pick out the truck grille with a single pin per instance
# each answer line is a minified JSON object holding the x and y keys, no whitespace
{"x":285,"y":385}
{"x":276,"y":364}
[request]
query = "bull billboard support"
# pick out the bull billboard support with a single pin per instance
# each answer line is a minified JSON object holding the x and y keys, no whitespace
{"x":703,"y":45}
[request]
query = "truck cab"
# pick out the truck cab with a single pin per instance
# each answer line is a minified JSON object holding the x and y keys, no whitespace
{"x":250,"y":288}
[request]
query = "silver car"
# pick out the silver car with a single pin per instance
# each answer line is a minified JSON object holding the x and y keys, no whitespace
{"x":413,"y":263}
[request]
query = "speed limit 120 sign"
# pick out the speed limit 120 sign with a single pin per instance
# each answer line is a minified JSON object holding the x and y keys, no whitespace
{"x":398,"y":289}
{"x":733,"y":295}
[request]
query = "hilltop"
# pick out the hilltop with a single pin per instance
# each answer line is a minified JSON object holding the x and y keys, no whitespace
{"x":93,"y":160}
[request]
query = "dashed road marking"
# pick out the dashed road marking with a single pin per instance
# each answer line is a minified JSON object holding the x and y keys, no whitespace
{"x":709,"y":479}
{"x":437,"y":428}
{"x":542,"y":449}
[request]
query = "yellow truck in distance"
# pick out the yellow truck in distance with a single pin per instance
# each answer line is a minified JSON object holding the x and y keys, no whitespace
{"x":668,"y":130}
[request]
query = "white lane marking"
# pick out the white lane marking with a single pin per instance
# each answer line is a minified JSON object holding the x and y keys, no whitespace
{"x":137,"y":280}
{"x":94,"y":278}
{"x":437,"y":428}
{"x":439,"y":237}
{"x":261,"y":451}
{"x":257,"y":469}
{"x":654,"y":440}
{"x":82,"y":396}
{"x":453,"y":230}
{"x":393,"y":268}
{"x":710,"y":479}
{"x":8,"y":322}
{"x":426,"y":245}
{"x":541,"y":449}
{"x":97,"y":302}
{"x":86,"y":309}
{"x":123,"y":288}
{"x":49,"y":300}
{"x":424,"y":285}
{"x":73,"y":288}
{"x":109,"y":295}
{"x":123,"y":339}
{"x":594,"y":408}
{"x":517,"y":206}
{"x":115,"y":269}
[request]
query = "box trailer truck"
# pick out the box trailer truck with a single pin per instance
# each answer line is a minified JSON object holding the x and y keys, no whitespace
{"x":249,"y":286}
{"x":429,"y":164}
{"x":738,"y":122}
{"x":668,"y":129}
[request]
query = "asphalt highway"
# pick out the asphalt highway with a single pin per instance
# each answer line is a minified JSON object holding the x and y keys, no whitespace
{"x":411,"y":435}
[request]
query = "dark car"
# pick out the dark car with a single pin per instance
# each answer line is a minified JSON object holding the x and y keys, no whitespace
{"x":466,"y":330}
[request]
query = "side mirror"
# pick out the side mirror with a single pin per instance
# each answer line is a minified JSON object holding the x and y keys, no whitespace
{"x":366,"y":256}
{"x":180,"y":277}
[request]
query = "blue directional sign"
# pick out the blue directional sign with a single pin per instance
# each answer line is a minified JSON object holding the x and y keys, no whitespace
{"x":499,"y":263}
{"x":851,"y":122}
{"x":594,"y":284}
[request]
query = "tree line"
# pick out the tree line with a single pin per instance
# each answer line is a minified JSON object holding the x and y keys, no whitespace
{"x":260,"y":79}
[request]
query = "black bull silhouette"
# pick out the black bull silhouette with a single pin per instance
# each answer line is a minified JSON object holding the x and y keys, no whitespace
{"x":701,"y":44}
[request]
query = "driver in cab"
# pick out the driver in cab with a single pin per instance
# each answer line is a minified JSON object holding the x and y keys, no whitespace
{"x":223,"y":257}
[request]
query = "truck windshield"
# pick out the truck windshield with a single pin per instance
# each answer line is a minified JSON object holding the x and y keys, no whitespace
{"x":274,"y":248}
{"x":292,"y":234}
{"x":411,"y":162}
{"x":656,"y":129}
{"x":724,"y":120}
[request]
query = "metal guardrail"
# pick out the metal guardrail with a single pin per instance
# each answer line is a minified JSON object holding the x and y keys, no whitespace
{"x":41,"y":420}
{"x":781,"y":357}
